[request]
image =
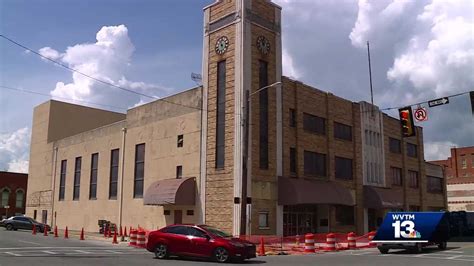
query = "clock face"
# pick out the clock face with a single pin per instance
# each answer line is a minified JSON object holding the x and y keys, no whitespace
{"x":263,"y":45}
{"x":222,"y":44}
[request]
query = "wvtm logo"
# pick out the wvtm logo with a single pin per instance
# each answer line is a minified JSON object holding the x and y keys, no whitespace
{"x":404,"y":226}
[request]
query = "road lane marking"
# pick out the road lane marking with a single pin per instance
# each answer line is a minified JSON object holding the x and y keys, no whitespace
{"x":13,"y":254}
{"x":28,"y":242}
{"x":113,"y":251}
{"x":452,"y":251}
{"x":83,"y":251}
{"x":49,"y":252}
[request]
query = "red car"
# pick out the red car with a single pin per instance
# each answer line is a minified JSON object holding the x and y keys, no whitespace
{"x":198,"y":241}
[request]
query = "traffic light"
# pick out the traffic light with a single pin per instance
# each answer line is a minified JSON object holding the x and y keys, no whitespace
{"x":406,"y":122}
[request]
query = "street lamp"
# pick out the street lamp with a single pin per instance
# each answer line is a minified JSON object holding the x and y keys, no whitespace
{"x":246,"y":201}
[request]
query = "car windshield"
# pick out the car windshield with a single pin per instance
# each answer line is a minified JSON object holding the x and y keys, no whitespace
{"x":216,"y":232}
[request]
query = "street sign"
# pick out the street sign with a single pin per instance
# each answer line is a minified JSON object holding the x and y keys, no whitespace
{"x":421,"y":114}
{"x":440,"y":101}
{"x":6,"y":207}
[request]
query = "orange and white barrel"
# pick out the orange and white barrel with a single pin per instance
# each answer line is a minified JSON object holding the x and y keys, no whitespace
{"x":351,"y":240}
{"x":330,"y":242}
{"x":133,"y":238}
{"x":371,"y":237}
{"x":309,"y":243}
{"x":141,"y":238}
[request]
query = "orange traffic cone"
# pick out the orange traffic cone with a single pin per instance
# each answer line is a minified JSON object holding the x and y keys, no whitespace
{"x":55,"y":231}
{"x":66,"y":233}
{"x":82,"y":234}
{"x":34,"y":229}
{"x":262,"y":248}
{"x":45,"y":230}
{"x":114,"y":241}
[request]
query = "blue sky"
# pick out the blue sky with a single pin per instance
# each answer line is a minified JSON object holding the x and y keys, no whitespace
{"x":420,"y":50}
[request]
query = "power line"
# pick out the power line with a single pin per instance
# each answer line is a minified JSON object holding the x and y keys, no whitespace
{"x":62,"y":98}
{"x":93,"y":78}
{"x":419,"y":103}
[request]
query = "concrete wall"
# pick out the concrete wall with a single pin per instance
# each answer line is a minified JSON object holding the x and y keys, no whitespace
{"x":157,"y":125}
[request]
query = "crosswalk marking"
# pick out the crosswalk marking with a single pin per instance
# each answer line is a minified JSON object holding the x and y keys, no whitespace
{"x":50,"y":252}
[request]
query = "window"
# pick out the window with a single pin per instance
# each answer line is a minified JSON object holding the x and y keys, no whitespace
{"x":292,"y":118}
{"x":396,"y":176}
{"x":77,"y":179}
{"x":94,"y":169}
{"x":190,"y":212}
{"x":464,"y":163}
{"x":395,"y":145}
{"x":5,"y":197}
{"x":35,"y":213}
{"x":263,"y":104}
{"x":196,"y":232}
{"x":177,"y":230}
{"x":20,"y":194}
{"x":139,"y":176}
{"x":434,"y":184}
{"x":166,"y":212}
{"x":314,"y":164}
{"x":293,"y":160}
{"x":179,"y":172}
{"x":413,"y":179}
{"x":314,"y":124}
{"x":114,"y":165}
{"x":343,"y":168}
{"x":62,"y":180}
{"x":180,"y":141}
{"x":342,"y":131}
{"x":220,"y":117}
{"x":344,"y":215}
{"x":412,"y":150}
{"x":263,"y":220}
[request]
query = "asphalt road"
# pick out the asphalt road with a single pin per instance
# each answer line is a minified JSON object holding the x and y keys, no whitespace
{"x":22,"y":248}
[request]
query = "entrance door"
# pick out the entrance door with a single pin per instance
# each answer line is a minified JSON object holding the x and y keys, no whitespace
{"x":44,"y":217}
{"x":178,"y":216}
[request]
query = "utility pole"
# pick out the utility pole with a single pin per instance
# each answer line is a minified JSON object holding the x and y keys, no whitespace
{"x":370,"y":79}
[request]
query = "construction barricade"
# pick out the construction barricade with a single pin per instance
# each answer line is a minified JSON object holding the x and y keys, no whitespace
{"x":133,"y":237}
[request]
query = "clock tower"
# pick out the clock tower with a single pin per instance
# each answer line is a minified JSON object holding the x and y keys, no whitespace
{"x":241,"y":122}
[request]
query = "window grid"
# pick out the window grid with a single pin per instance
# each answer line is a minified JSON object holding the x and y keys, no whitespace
{"x":314,"y":164}
{"x":342,"y":131}
{"x":343,"y":168}
{"x":314,"y":124}
{"x":396,"y":176}
{"x":93,"y":179}
{"x":220,"y":116}
{"x":114,"y":165}
{"x":139,"y":175}
{"x":77,"y":179}
{"x":62,"y":180}
{"x":413,"y":179}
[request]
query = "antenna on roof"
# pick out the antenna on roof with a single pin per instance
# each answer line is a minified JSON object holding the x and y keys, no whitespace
{"x":196,"y":78}
{"x":370,"y":79}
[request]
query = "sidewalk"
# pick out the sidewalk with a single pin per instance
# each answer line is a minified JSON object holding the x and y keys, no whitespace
{"x":75,"y":234}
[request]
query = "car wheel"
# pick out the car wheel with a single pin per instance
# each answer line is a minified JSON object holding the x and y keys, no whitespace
{"x":9,"y":227}
{"x":383,"y":250}
{"x":442,"y":245}
{"x":221,"y":255}
{"x":161,"y":251}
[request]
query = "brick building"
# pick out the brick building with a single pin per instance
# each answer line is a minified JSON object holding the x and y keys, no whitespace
{"x":459,"y":170}
{"x":249,"y":151}
{"x":12,"y":193}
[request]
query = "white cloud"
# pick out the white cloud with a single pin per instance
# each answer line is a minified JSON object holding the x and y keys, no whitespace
{"x":49,"y":53}
{"x":438,"y":150}
{"x":439,"y":60}
{"x":107,"y":59}
{"x":289,"y":68}
{"x":14,"y":150}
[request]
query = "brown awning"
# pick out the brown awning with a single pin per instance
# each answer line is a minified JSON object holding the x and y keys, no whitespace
{"x":171,"y":192}
{"x":292,"y":191}
{"x":382,"y":198}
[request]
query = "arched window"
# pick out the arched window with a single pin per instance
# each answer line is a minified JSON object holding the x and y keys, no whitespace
{"x":20,"y":194}
{"x":5,"y":196}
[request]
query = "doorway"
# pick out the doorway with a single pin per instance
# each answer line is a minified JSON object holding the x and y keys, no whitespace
{"x":178,"y":216}
{"x":44,"y":216}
